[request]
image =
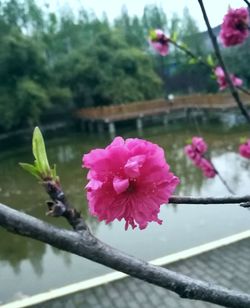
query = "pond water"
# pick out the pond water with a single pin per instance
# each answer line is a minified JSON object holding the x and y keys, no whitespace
{"x":28,"y":267}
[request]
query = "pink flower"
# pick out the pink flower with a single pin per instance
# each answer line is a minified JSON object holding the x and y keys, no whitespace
{"x":244,"y":149}
{"x":194,"y":155}
{"x":129,"y":179}
{"x":219,"y":73}
{"x":199,"y":144}
{"x":197,"y":148}
{"x":195,"y":152}
{"x":207,"y":168}
{"x":234,"y":29}
{"x":159,"y":41}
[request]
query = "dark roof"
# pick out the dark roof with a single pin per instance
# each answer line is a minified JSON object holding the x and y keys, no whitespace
{"x":227,"y":266}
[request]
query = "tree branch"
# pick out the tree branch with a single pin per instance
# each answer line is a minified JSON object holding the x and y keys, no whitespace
{"x":243,"y":90}
{"x":242,"y":201}
{"x":61,"y":207}
{"x":189,"y":53}
{"x":84,"y":244}
{"x":247,"y":2}
{"x":222,"y":64}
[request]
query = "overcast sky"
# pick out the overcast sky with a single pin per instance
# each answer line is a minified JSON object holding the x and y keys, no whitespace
{"x":215,"y":8}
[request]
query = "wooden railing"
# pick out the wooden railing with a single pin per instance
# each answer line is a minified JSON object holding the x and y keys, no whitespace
{"x":159,"y":106}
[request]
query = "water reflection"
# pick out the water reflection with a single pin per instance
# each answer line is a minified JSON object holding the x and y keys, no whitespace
{"x":27,"y":261}
{"x":14,"y":249}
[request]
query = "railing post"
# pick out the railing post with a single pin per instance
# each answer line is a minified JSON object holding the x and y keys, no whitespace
{"x":90,"y":126}
{"x":100,"y":127}
{"x":139,"y":125}
{"x":165,"y":119}
{"x":111,"y":126}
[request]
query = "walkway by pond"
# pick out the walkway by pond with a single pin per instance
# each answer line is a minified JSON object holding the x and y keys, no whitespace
{"x":179,"y":107}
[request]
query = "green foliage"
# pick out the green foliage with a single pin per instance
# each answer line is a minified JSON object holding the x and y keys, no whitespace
{"x":23,"y":86}
{"x":237,"y":61}
{"x":192,"y":61}
{"x":210,"y":60}
{"x":32,"y":99}
{"x":174,"y":36}
{"x":126,"y":73}
{"x":60,"y":96}
{"x":243,"y":140}
{"x":50,"y":61}
{"x":41,"y":168}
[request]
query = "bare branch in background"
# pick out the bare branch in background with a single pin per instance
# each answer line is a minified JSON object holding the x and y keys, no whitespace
{"x":242,"y":201}
{"x":222,"y":64}
{"x":84,"y":244}
{"x":247,"y":3}
{"x":192,"y":55}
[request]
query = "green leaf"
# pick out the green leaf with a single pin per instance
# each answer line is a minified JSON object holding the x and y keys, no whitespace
{"x":39,"y":152}
{"x":53,"y":173}
{"x":41,"y":168}
{"x":192,"y":61}
{"x":152,"y":35}
{"x":210,"y":60}
{"x":243,"y":140}
{"x":174,"y":36}
{"x":183,"y":45}
{"x":31,"y":169}
{"x":189,"y":141}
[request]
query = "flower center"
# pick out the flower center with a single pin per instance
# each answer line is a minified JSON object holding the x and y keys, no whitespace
{"x":132,"y":186}
{"x":241,"y":25}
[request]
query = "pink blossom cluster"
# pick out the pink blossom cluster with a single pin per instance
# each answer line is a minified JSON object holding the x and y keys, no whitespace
{"x":195,"y":151}
{"x":159,"y":41}
{"x":129,"y":179}
{"x":234,"y":29}
{"x":244,"y":149}
{"x":221,"y":79}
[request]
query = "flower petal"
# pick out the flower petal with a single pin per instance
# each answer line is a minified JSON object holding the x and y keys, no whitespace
{"x":133,"y":165}
{"x":120,"y":185}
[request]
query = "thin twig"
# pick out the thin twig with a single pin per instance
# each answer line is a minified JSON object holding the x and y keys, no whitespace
{"x":225,"y":183}
{"x":84,"y":244}
{"x":222,"y":179}
{"x":221,"y":62}
{"x":189,"y":53}
{"x":244,"y":90}
{"x":243,"y":201}
{"x":247,"y":2}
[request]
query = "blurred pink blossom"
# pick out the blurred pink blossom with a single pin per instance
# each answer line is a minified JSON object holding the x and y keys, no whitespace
{"x":244,"y":149}
{"x":207,"y":168}
{"x":197,"y":148}
{"x":195,"y":152}
{"x":199,"y":144}
{"x":221,"y":79}
{"x":159,"y":41}
{"x":234,"y":29}
{"x":129,"y":179}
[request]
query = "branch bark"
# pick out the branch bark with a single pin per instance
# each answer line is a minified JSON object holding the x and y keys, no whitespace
{"x":232,"y":88}
{"x":247,"y":3}
{"x":84,"y":244}
{"x":243,"y":201}
{"x":61,"y":207}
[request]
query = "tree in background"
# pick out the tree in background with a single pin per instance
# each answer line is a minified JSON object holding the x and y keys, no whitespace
{"x":50,"y":60}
